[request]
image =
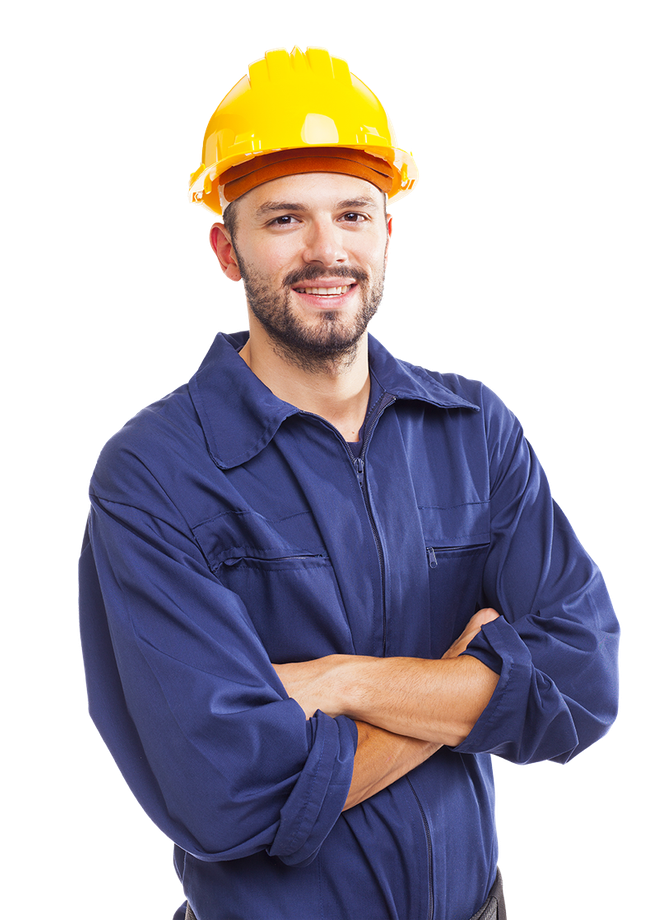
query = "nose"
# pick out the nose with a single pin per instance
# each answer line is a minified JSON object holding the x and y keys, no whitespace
{"x":324,"y":243}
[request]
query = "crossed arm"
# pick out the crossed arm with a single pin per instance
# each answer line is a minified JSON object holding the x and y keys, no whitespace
{"x":405,"y":708}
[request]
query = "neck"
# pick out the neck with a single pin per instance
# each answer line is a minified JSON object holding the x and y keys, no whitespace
{"x":337,"y":389}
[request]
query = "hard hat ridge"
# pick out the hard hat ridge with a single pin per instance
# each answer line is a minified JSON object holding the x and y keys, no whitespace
{"x":278,"y":66}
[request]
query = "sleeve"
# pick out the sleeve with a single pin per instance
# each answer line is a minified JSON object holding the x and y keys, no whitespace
{"x":184,"y":695}
{"x":555,"y":644}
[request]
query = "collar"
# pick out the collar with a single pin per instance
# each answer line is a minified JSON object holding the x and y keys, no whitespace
{"x":240,"y":415}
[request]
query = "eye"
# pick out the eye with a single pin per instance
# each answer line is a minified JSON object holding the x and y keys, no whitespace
{"x":353,"y":217}
{"x":284,"y":220}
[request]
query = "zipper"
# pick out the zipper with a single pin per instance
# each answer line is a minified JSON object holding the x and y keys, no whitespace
{"x":360,"y":473}
{"x":428,"y":841}
{"x":359,"y":464}
{"x":433,"y":550}
{"x":236,"y":560}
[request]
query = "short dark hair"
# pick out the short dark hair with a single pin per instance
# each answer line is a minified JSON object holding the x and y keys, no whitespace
{"x":229,"y":217}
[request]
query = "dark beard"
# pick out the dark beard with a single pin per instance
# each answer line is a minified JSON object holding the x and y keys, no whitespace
{"x":328,"y":343}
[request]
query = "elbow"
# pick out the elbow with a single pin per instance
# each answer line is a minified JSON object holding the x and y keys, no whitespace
{"x":607,"y":708}
{"x":594,"y":704}
{"x":218,"y":833}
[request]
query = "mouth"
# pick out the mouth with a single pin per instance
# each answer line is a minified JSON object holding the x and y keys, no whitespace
{"x":325,"y":294}
{"x":324,"y":291}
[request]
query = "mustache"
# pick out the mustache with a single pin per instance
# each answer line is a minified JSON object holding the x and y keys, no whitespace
{"x":311,"y":272}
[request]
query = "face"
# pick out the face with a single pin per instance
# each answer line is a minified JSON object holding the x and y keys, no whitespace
{"x":311,"y":251}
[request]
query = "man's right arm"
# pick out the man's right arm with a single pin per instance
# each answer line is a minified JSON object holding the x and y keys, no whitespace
{"x":182,"y":690}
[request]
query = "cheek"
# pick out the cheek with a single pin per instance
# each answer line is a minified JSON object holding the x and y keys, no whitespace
{"x":277,"y":260}
{"x":268,"y":273}
{"x":371,"y":251}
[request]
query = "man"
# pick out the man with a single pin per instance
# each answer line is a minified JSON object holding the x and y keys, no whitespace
{"x":320,"y":586}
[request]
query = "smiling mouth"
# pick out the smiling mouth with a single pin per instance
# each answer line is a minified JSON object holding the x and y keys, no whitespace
{"x":324,"y":291}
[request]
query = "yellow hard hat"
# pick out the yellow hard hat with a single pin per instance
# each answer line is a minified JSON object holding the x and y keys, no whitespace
{"x":297,"y":101}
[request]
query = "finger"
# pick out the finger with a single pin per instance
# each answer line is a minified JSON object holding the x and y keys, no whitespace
{"x":486,"y":615}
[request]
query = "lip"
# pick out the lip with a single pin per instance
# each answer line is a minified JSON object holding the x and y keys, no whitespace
{"x":330,"y":282}
{"x":325,"y":301}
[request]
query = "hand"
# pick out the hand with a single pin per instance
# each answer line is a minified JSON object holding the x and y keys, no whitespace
{"x":314,"y":684}
{"x":473,"y":627}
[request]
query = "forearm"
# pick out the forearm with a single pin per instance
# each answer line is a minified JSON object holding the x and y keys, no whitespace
{"x":381,"y":758}
{"x":435,"y":701}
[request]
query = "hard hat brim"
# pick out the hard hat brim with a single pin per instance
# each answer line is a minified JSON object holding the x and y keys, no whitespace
{"x":206,"y":187}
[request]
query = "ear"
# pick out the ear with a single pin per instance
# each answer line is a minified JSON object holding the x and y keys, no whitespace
{"x":389,"y":231}
{"x":389,"y":225}
{"x":223,"y":249}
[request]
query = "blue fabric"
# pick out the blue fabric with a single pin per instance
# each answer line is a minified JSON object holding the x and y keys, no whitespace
{"x":228,"y":530}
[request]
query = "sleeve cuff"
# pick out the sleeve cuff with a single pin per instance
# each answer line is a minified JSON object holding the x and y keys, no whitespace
{"x":317,"y":800}
{"x":500,"y":648}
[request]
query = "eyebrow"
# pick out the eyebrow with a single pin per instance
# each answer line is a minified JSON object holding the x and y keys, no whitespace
{"x":269,"y":206}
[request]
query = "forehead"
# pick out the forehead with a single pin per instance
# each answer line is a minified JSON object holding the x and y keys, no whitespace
{"x":309,"y":191}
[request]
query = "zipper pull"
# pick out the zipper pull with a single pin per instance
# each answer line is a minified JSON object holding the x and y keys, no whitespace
{"x":432,"y":557}
{"x":360,"y":466}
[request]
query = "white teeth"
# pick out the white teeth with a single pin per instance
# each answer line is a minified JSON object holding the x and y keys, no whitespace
{"x":325,"y":291}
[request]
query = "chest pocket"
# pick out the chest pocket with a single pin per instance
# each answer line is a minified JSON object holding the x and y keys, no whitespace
{"x":456,"y":544}
{"x":284,"y":576}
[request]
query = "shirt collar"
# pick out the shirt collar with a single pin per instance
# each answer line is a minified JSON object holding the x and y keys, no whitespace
{"x":240,"y":415}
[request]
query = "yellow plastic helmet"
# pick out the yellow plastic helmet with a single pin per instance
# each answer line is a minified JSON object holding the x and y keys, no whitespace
{"x":292,"y":101}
